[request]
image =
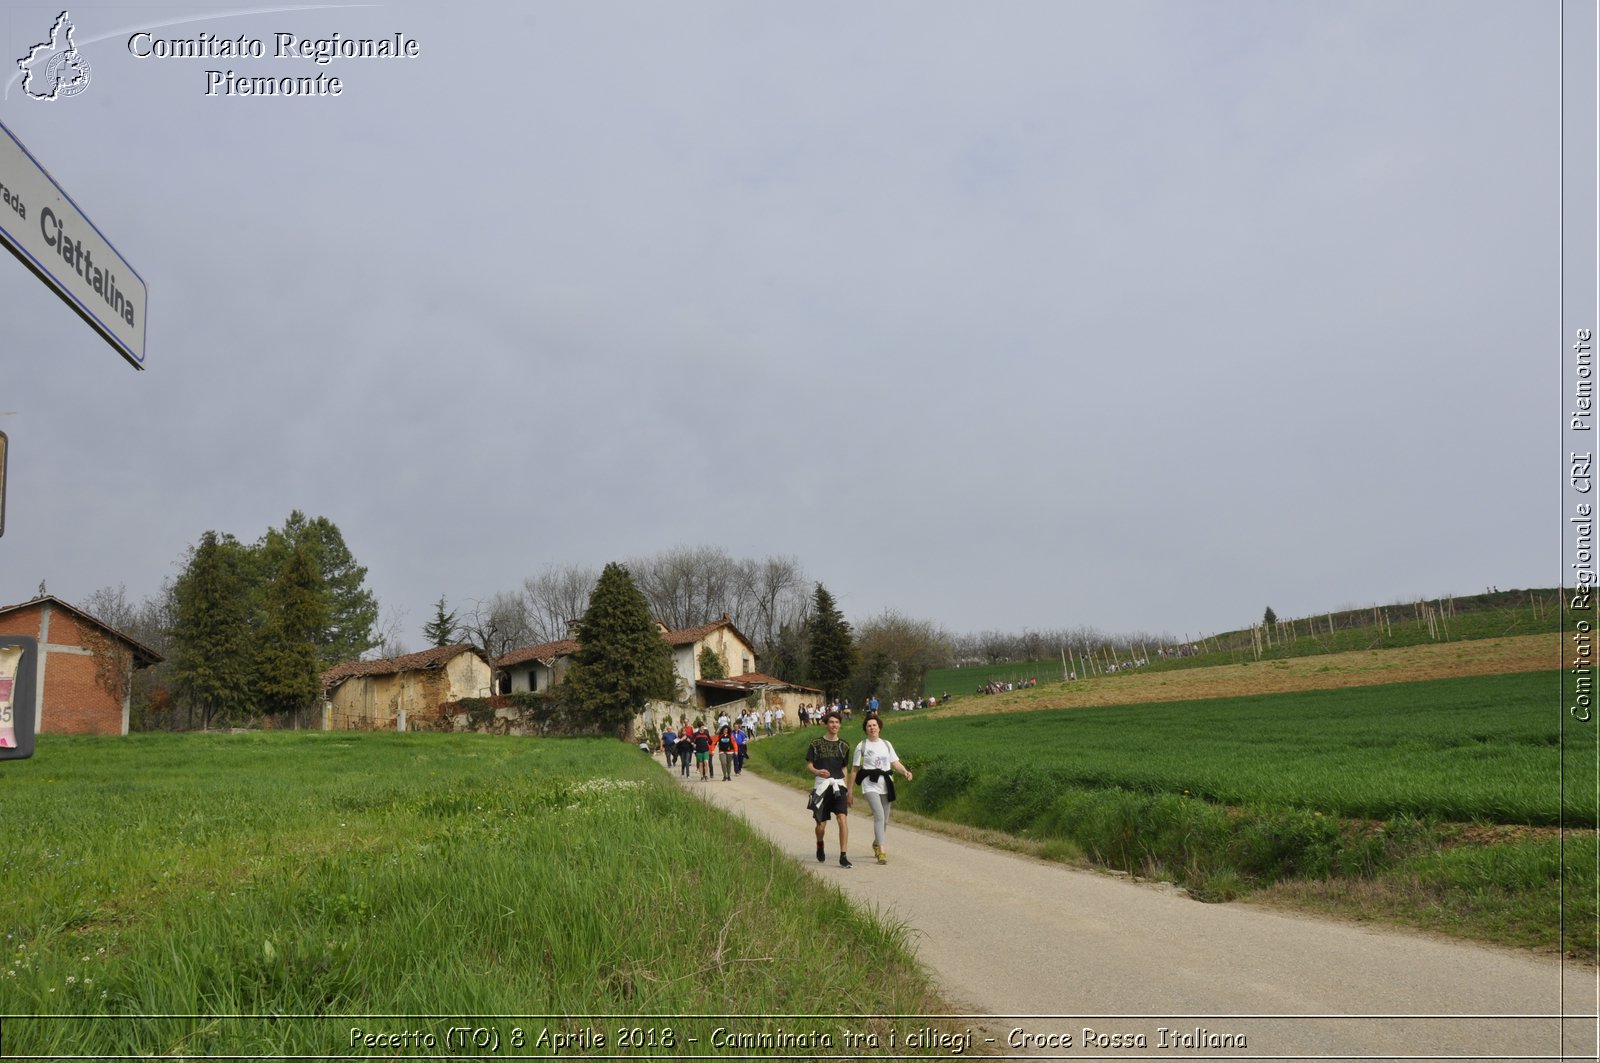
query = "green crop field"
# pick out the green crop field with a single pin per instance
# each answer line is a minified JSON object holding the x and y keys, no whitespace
{"x":1233,"y":795}
{"x":250,"y":894}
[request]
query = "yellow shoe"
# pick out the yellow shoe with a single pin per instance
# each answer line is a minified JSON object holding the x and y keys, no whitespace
{"x":882,"y":855}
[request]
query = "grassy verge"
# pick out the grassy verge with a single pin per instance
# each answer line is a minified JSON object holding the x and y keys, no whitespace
{"x":1378,"y":792}
{"x":227,"y":881}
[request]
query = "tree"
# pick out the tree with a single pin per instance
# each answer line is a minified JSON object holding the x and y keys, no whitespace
{"x":441,"y":630}
{"x":689,"y":585}
{"x":833,"y":650}
{"x":352,"y":610}
{"x":622,"y":661}
{"x":212,"y":666}
{"x":711,"y":664}
{"x":289,"y":667}
{"x":556,"y":599}
{"x":1269,"y":617}
{"x":498,"y":625}
{"x":899,"y":652}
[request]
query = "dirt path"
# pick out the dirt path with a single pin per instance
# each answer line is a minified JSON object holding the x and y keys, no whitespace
{"x":1048,"y":950}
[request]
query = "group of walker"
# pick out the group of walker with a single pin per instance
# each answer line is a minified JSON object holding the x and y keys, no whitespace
{"x":695,"y":743}
{"x":836,"y":771}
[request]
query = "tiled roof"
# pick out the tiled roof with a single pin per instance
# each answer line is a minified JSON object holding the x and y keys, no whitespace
{"x":437,"y":657}
{"x":141,"y":652}
{"x":688,"y":636}
{"x":760,"y":679}
{"x":544,"y":653}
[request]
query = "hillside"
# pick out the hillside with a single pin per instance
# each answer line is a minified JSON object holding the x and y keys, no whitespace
{"x":1439,"y":660}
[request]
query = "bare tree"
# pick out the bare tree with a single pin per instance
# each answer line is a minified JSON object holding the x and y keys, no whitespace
{"x":556,"y":599}
{"x":390,"y":641}
{"x":498,"y":624}
{"x":688,"y":585}
{"x":774,"y":594}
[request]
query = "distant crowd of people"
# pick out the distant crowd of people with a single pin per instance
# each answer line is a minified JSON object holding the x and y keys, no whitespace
{"x":687,"y":744}
{"x":1003,"y":687}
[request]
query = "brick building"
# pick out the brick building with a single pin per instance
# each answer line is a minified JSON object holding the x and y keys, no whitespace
{"x":83,"y":670}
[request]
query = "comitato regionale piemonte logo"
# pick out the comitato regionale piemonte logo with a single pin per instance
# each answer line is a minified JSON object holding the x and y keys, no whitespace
{"x":55,"y":69}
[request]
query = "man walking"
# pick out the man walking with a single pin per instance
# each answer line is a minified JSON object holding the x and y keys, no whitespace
{"x":826,"y":759}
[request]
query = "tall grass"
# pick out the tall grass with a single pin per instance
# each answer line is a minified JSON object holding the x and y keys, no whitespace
{"x":227,"y":880}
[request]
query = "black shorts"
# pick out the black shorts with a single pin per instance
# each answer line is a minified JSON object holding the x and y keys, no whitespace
{"x":835,"y":802}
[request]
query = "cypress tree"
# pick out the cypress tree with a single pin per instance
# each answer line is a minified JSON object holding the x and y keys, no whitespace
{"x":833,"y":650}
{"x":289,"y":666}
{"x":622,"y":661}
{"x":212,"y":665}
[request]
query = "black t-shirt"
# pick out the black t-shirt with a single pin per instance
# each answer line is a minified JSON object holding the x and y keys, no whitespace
{"x":832,"y":754}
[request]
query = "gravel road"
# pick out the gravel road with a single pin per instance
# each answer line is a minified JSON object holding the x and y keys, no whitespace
{"x":1045,"y":953}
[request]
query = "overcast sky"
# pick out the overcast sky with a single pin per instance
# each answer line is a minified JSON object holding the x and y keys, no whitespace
{"x":1141,"y":316}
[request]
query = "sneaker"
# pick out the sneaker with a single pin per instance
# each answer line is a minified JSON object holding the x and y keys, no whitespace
{"x":844,"y":862}
{"x":822,"y":855}
{"x":883,"y":856}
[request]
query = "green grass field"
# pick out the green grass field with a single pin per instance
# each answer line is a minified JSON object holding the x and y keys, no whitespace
{"x":1231,"y":796}
{"x":227,"y":880}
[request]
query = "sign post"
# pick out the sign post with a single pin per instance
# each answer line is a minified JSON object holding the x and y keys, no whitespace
{"x":43,"y":227}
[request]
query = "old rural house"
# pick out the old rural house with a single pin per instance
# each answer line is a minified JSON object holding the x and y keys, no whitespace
{"x":83,"y":670}
{"x":534,"y":668}
{"x":382,"y":695}
{"x":538,"y":668}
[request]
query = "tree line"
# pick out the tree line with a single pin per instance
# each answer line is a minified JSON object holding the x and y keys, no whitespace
{"x":248,"y":628}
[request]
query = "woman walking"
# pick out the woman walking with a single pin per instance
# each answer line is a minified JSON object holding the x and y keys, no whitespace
{"x":685,"y":748}
{"x":725,"y":751}
{"x":873,"y":766}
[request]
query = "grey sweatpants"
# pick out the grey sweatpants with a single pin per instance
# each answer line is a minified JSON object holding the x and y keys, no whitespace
{"x":879,"y":803}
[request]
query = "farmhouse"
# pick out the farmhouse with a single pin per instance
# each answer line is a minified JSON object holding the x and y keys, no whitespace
{"x":83,"y":669}
{"x":534,"y":668}
{"x":381,"y":695}
{"x":538,"y":668}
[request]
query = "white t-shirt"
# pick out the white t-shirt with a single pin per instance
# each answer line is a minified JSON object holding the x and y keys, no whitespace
{"x":874,"y":754}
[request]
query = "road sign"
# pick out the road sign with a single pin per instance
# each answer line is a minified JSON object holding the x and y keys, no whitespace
{"x":17,"y":701}
{"x":43,"y":227}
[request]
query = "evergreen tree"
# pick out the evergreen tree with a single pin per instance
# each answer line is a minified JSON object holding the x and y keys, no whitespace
{"x":212,"y":665}
{"x":441,"y":630}
{"x":289,"y":668}
{"x":352,"y":610}
{"x":1269,"y":617}
{"x":622,"y":661}
{"x":833,"y":650}
{"x":711,"y":664}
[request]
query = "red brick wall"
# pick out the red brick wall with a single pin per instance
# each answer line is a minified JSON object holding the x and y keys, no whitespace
{"x":74,"y":702}
{"x":65,"y":629}
{"x":21,"y":622}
